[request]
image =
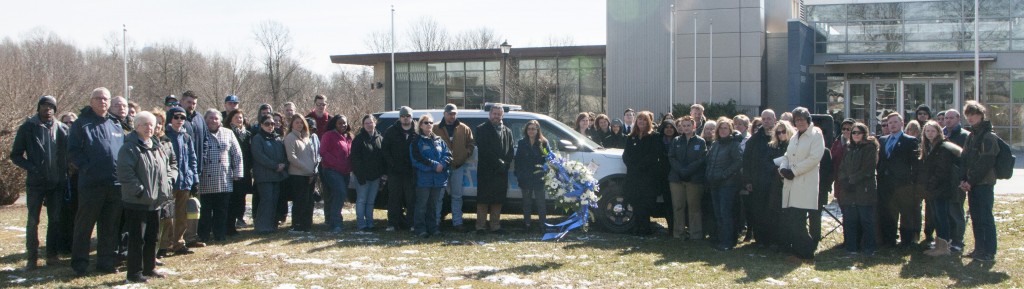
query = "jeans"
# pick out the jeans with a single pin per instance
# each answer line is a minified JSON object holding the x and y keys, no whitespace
{"x":723,"y":199}
{"x":213,"y":217}
{"x":686,"y":208}
{"x":98,"y":207}
{"x":534,"y":198}
{"x":958,"y":223}
{"x":302,"y":202}
{"x":941,"y":218}
{"x":264,"y":218}
{"x":980,"y":199}
{"x":53,"y":200}
{"x":455,"y":190}
{"x":425,"y":218}
{"x":337,"y":184}
{"x":366,"y":196}
{"x":142,"y":232}
{"x":401,"y":194}
{"x":859,"y":228}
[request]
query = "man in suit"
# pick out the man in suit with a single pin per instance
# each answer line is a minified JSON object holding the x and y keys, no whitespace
{"x":897,"y":198}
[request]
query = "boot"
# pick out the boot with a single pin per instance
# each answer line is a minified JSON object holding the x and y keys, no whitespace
{"x":941,"y":248}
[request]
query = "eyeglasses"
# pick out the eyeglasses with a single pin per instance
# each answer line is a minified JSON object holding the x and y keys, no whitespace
{"x":268,"y":123}
{"x":857,"y":132}
{"x":179,"y":116}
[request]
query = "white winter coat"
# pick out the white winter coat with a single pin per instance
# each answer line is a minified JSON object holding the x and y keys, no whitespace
{"x":804,"y":158}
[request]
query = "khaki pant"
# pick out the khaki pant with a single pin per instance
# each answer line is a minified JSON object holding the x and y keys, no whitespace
{"x":172,"y":235}
{"x":686,"y":199}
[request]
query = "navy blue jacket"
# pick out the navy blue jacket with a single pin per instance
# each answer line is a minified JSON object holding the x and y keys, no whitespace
{"x":185,"y":153}
{"x":93,"y":144}
{"x":425,"y":153}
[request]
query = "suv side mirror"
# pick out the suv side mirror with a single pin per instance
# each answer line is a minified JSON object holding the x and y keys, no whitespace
{"x":566,"y":146}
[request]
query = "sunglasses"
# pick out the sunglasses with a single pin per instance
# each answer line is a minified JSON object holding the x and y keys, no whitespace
{"x":180,"y":116}
{"x":857,"y":132}
{"x":268,"y":123}
{"x":171,"y":103}
{"x":781,"y":132}
{"x":427,"y":122}
{"x":846,"y":129}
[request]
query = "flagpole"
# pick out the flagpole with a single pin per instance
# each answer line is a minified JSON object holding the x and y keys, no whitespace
{"x":671,"y":56}
{"x":711,"y":60}
{"x":694,"y":57}
{"x":977,"y":60}
{"x":124,"y":44}
{"x":393,"y":66}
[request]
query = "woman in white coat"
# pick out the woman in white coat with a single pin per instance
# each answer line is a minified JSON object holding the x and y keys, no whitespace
{"x":800,"y":187}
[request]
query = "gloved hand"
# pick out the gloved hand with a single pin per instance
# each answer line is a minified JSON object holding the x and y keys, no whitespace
{"x":787,"y":173}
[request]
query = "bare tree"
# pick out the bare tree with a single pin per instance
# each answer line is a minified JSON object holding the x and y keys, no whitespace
{"x":564,"y":40}
{"x":479,"y":38}
{"x":378,"y":41}
{"x":276,"y":41}
{"x":427,"y":34}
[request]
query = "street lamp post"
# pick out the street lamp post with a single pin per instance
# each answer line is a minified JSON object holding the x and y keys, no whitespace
{"x":505,"y":48}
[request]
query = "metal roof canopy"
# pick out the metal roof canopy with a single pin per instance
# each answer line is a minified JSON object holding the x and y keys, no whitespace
{"x":477,"y":54}
{"x":907,"y":58}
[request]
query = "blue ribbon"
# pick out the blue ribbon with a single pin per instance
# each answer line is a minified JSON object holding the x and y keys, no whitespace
{"x":576,"y":220}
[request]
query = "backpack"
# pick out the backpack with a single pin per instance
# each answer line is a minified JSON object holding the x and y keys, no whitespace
{"x":1004,"y":161}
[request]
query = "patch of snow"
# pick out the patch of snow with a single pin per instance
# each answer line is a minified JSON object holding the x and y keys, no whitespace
{"x":453,"y":278}
{"x":15,"y":228}
{"x":380,"y":277}
{"x":286,"y":286}
{"x":421,"y":274}
{"x":410,"y":252}
{"x":479,"y":268}
{"x":413,"y":281}
{"x":314,"y":261}
{"x":773,"y":281}
{"x":816,"y":280}
{"x":314,"y":276}
{"x":254,"y":253}
{"x":166,"y":271}
{"x":510,"y":279}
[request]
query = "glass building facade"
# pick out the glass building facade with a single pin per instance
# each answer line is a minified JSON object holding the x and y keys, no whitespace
{"x":560,"y":87}
{"x":868,"y":92}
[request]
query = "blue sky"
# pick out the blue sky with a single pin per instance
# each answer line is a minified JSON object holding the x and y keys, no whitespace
{"x":319,"y":27}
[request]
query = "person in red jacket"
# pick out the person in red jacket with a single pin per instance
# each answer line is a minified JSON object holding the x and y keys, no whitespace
{"x":335,"y":148}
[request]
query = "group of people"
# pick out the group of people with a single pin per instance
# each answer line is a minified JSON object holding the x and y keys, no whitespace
{"x":770,"y":177}
{"x":141,"y":177}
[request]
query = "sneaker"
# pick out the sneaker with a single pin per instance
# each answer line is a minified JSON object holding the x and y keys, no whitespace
{"x":241,"y":223}
{"x":390,"y":229}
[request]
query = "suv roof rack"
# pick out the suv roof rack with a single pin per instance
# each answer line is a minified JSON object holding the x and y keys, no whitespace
{"x":507,"y":107}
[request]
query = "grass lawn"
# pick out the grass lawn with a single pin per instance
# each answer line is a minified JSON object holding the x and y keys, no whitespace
{"x":582,"y":259}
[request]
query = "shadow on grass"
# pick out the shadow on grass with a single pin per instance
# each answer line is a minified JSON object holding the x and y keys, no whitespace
{"x":973,"y":274}
{"x":519,"y":270}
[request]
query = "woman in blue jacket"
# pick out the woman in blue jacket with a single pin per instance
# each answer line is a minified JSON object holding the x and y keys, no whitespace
{"x":431,"y":157}
{"x":532,"y":149}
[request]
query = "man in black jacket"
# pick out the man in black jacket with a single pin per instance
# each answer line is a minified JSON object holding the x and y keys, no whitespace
{"x":758,"y":170}
{"x":39,"y":148}
{"x":495,"y":146}
{"x":897,"y":198}
{"x":401,"y":177}
{"x":978,"y":179}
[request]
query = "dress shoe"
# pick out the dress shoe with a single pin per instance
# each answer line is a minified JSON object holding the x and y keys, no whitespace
{"x":196,"y":244}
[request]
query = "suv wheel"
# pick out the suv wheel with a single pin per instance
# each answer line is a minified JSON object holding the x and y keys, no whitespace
{"x":614,"y":213}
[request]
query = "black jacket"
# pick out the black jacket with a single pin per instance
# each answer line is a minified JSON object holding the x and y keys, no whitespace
{"x":940,"y":171}
{"x":898,"y":167}
{"x":979,"y":156}
{"x":758,"y":165}
{"x":93,"y":144}
{"x":31,"y":152}
{"x":724,"y":161}
{"x":494,"y":148}
{"x":857,"y":174}
{"x":395,"y":147}
{"x":642,"y":156}
{"x":367,"y":156}
{"x":529,"y":159}
{"x":958,"y":135}
{"x":687,"y":157}
{"x":614,"y":141}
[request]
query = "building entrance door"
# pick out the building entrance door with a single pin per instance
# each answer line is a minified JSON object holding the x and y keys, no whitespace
{"x":872,"y":100}
{"x":938,"y":94}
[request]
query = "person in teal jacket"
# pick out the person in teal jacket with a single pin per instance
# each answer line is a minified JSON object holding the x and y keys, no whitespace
{"x":431,"y":158}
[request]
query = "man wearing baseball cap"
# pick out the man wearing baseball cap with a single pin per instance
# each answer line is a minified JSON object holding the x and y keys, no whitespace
{"x":401,"y":175}
{"x":230,"y":104}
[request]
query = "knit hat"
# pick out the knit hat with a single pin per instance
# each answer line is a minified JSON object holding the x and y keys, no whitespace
{"x":174,"y":110}
{"x":47,"y":99}
{"x":405,"y":110}
{"x":924,"y":108}
{"x":617,"y":122}
{"x":265,"y":106}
